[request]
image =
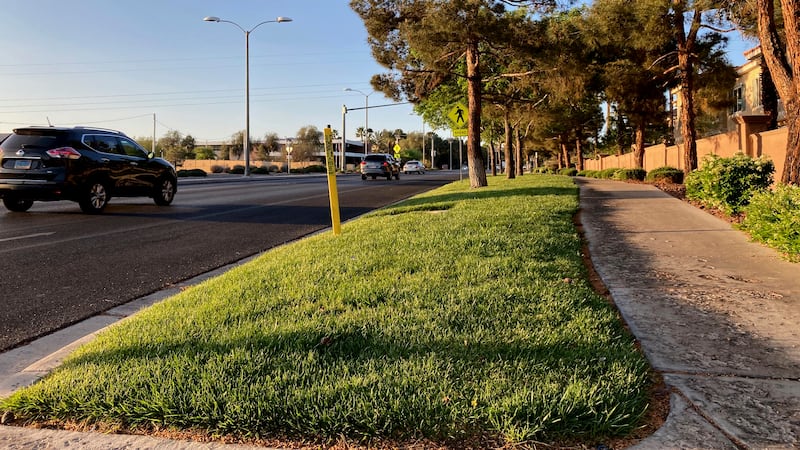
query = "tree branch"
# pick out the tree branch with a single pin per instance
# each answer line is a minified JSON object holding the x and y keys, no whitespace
{"x":658,"y":60}
{"x":718,"y":30}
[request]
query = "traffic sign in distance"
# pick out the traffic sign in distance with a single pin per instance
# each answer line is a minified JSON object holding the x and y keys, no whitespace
{"x":459,"y":116}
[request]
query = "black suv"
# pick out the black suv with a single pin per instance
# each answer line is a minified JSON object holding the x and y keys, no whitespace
{"x":85,"y":165}
{"x":380,"y":164}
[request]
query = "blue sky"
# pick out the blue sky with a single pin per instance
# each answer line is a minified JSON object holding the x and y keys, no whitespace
{"x":115,"y":63}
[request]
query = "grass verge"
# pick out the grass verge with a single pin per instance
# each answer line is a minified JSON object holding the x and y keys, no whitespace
{"x":454,"y":316}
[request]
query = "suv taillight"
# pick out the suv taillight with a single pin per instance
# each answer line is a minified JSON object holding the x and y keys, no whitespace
{"x":385,"y":164}
{"x":363,"y":163}
{"x":64,"y":153}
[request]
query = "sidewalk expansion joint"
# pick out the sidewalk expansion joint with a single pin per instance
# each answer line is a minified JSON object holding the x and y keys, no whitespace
{"x":706,"y":374}
{"x":699,"y":411}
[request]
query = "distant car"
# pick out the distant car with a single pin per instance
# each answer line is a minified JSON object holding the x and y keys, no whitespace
{"x":377,"y":165}
{"x":85,"y":165}
{"x":414,"y":166}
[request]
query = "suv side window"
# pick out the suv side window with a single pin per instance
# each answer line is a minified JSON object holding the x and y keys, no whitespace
{"x":102,"y":143}
{"x":130,"y":148}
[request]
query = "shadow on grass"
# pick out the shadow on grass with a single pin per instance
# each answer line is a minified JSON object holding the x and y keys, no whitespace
{"x":471,"y":358}
{"x":482,"y":194}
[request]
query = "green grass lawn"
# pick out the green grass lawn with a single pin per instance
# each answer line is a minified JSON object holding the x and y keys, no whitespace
{"x":457,"y":315}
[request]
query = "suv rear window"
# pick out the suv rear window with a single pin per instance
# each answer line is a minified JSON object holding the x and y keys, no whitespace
{"x":379,"y":158}
{"x":34,"y":139}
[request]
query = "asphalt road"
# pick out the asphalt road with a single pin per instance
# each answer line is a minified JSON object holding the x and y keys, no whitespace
{"x":59,"y":266}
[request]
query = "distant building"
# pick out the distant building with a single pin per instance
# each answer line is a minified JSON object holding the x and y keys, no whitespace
{"x":750,"y":94}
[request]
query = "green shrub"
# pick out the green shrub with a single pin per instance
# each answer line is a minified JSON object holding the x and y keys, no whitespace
{"x":274,"y":168}
{"x":630,"y":174}
{"x":568,"y":171}
{"x":607,"y":174}
{"x":728,"y":183}
{"x":773,"y":218}
{"x":237,"y":169}
{"x":588,"y":173}
{"x":316,"y":168}
{"x":665,"y":174}
{"x":192,"y":173}
{"x":260,"y":170}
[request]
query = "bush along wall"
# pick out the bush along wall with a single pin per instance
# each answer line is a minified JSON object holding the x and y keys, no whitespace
{"x":773,"y":218}
{"x":665,"y":174}
{"x":630,"y":174}
{"x":192,"y":173}
{"x":729,"y":183}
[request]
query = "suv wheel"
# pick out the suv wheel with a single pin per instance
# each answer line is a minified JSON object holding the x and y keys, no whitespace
{"x":95,"y":198}
{"x":17,"y":204}
{"x":164,"y":191}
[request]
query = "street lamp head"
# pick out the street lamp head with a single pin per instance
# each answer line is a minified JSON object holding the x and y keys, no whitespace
{"x":283,"y":19}
{"x":211,"y":19}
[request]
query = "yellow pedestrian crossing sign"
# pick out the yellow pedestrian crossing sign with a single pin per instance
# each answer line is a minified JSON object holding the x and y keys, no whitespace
{"x":459,"y":116}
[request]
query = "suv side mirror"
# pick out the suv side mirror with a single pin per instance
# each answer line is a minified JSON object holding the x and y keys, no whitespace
{"x":151,"y":155}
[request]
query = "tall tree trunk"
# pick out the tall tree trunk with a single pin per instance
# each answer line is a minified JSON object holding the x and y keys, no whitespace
{"x":783,"y":65}
{"x":791,"y":168}
{"x":638,"y":150}
{"x":509,"y":159}
{"x":492,"y":160}
{"x":685,"y":44}
{"x":769,"y":95}
{"x":477,"y":171}
{"x":564,"y":154}
{"x":518,"y":150}
{"x":579,"y":152}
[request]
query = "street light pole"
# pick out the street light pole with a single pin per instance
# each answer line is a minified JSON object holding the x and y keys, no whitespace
{"x":450,"y":140}
{"x":289,"y":149}
{"x":246,"y":138}
{"x":432,"y":148}
{"x":423,"y":143}
{"x":366,"y":116}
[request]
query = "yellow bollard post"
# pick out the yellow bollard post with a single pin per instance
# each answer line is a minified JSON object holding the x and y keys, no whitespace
{"x":333,"y":193}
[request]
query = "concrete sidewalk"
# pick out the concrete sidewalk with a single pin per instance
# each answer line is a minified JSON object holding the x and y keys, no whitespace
{"x":717,"y":315}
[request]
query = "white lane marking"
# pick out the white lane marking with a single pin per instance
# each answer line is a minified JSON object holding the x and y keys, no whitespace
{"x":27,"y":236}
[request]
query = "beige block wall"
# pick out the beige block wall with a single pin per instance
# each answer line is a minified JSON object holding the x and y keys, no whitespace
{"x":771,"y":144}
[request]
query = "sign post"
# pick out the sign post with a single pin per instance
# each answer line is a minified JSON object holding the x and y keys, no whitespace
{"x":333,"y":193}
{"x":459,"y":117}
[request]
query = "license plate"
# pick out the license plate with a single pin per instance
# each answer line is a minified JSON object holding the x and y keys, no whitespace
{"x":22,"y":164}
